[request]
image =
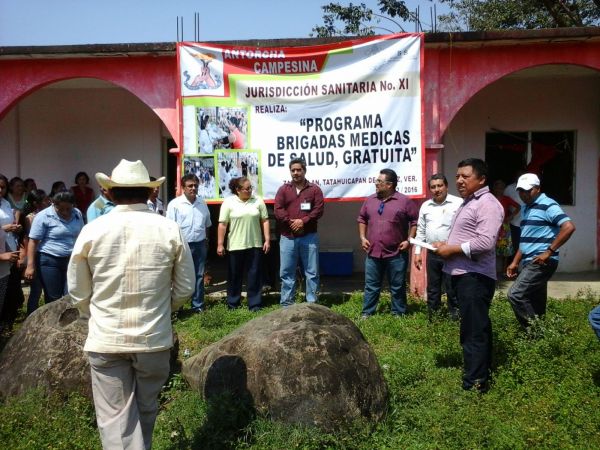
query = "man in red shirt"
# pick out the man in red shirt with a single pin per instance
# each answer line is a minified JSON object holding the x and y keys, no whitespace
{"x":298,"y":206}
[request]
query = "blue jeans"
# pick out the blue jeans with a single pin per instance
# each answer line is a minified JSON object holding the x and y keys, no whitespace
{"x":199,"y":251}
{"x":35,"y":291}
{"x":305,"y":249}
{"x":594,"y":318}
{"x":53,"y":273}
{"x":375,"y":270}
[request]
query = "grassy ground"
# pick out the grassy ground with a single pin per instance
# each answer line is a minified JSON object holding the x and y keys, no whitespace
{"x":545,"y":391}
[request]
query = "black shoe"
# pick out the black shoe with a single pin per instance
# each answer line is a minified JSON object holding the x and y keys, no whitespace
{"x":480,"y":388}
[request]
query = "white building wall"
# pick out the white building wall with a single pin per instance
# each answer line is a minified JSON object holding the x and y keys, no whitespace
{"x":540,"y":104}
{"x":54,"y":133}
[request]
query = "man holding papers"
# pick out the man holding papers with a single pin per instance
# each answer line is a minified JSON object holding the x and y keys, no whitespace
{"x":470,"y":255}
{"x":435,"y":218}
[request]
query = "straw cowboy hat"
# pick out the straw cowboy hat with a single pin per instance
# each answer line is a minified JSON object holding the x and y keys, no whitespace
{"x":128,"y":174}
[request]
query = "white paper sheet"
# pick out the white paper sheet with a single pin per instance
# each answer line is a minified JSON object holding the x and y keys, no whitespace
{"x":414,"y":241}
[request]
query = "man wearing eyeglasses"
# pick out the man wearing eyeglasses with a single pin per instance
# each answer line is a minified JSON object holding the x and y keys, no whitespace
{"x":298,"y":207}
{"x":386,"y":221}
{"x":193,"y":217}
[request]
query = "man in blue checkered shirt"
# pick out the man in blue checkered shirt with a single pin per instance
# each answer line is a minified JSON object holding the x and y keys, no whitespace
{"x":544,"y":228}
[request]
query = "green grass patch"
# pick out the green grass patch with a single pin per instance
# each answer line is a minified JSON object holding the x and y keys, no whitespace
{"x":545,"y":391}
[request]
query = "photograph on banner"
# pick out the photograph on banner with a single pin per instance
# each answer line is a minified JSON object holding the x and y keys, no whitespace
{"x":348,"y":109}
{"x":217,"y":127}
{"x":232,"y":165}
{"x":204,"y":168}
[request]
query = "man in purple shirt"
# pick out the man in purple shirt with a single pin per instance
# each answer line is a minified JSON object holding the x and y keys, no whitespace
{"x":386,"y":221}
{"x":298,"y":206}
{"x":471,"y":261}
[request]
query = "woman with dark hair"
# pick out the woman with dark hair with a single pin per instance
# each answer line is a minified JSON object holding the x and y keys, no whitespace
{"x":51,"y":240}
{"x":57,"y":186}
{"x":30,"y":185}
{"x":10,"y":278}
{"x":236,"y":138}
{"x":4,"y":193}
{"x":16,"y":193}
{"x":84,"y":195}
{"x":8,"y":221}
{"x":37,"y":199}
{"x":7,"y":216}
{"x":247,"y":219}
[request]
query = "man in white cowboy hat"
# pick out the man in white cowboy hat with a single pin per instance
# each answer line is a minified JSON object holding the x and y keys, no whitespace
{"x":128,"y":270}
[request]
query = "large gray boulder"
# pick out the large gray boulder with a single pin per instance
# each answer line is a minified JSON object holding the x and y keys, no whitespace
{"x":47,"y":352}
{"x":304,"y":364}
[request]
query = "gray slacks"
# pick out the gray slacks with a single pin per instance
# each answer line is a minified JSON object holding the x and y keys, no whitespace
{"x":126,"y":388}
{"x":529,"y":293}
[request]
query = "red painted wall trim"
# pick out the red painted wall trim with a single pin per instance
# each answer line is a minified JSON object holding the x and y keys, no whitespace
{"x":151,"y":79}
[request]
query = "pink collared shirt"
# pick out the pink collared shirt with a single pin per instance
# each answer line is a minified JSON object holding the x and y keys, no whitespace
{"x":475,"y":228}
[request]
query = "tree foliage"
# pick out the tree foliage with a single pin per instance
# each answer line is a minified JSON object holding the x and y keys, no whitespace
{"x":476,"y":15}
{"x":360,"y":20}
{"x":483,"y":15}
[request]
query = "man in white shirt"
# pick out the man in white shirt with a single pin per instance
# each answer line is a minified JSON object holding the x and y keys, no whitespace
{"x":193,"y":217}
{"x":128,"y":271}
{"x":435,"y":218}
{"x":155,"y":204}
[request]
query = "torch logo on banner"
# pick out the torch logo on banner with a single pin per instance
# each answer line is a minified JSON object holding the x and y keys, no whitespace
{"x":206,"y":79}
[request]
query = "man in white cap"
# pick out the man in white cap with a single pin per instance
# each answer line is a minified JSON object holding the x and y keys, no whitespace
{"x":544,"y":229}
{"x":128,"y":271}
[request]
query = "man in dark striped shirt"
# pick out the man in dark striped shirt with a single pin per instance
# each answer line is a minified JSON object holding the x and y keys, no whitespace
{"x":544,"y":228}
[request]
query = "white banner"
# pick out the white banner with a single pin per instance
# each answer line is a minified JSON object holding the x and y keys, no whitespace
{"x":348,"y":109}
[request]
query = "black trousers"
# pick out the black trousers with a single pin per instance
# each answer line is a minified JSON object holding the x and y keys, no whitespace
{"x":14,"y":297}
{"x":240,"y":262}
{"x":438,"y":282}
{"x":475,"y":293}
{"x":270,"y":266}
